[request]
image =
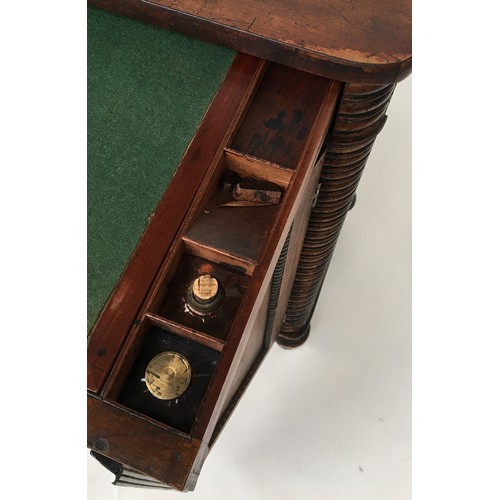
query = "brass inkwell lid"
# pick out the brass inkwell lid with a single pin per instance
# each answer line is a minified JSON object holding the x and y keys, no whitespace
{"x":168,"y":375}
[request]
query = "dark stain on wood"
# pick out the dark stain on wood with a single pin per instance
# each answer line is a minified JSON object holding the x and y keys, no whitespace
{"x":282,"y":114}
{"x":257,"y":191}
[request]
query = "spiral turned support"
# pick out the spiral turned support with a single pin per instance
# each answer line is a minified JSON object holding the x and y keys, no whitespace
{"x":360,"y":117}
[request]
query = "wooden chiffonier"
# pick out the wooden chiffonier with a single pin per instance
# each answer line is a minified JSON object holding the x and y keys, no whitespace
{"x":235,"y":244}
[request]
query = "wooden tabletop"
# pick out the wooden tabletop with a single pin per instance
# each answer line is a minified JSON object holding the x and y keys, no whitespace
{"x":367,"y":41}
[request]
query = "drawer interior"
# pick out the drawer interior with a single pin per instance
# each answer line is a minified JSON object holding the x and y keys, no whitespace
{"x":209,"y":300}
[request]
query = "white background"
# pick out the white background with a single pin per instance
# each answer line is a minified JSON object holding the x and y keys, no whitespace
{"x":332,"y":418}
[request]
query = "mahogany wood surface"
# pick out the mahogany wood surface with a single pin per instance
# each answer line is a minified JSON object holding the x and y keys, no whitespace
{"x":360,"y":118}
{"x":253,"y":348}
{"x":247,"y":314}
{"x":281,"y":138}
{"x":245,"y":165}
{"x":155,"y":450}
{"x":186,"y":332}
{"x":244,"y":341}
{"x":365,"y":42}
{"x":283,"y":273}
{"x":300,"y":223}
{"x":239,"y":237}
{"x":121,"y":310}
{"x":350,"y":40}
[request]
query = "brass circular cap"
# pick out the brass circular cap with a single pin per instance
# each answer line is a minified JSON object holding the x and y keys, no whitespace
{"x":168,"y":375}
{"x":205,"y":288}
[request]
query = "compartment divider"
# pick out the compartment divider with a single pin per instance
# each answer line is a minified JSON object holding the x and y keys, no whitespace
{"x":219,"y":256}
{"x":184,"y":331}
{"x":247,"y":165}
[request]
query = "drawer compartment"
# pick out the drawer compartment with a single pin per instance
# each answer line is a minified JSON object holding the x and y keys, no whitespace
{"x":177,"y":412}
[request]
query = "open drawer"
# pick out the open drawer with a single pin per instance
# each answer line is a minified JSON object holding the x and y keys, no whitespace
{"x":168,"y":365}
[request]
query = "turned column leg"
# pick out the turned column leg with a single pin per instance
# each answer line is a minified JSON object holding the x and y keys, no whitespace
{"x":361,"y":116}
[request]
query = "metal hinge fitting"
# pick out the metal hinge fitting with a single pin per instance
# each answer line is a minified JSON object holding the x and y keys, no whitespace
{"x":316,"y":194}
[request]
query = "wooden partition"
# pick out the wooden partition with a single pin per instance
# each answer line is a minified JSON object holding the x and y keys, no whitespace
{"x":240,"y":243}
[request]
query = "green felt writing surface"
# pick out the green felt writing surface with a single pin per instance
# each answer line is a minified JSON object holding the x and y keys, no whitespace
{"x":148,"y":90}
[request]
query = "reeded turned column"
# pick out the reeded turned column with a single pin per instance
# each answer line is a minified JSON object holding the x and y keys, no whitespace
{"x":361,"y":116}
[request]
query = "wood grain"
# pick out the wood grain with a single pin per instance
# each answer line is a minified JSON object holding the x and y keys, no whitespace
{"x":247,"y":314}
{"x":152,"y":448}
{"x":349,"y":40}
{"x":279,"y":121}
{"x":186,"y":332}
{"x":249,"y":166}
{"x":121,"y":310}
{"x":243,"y":345}
{"x":296,"y":242}
{"x":360,"y":118}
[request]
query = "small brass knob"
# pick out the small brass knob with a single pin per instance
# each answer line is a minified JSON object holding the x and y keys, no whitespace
{"x":204,"y":293}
